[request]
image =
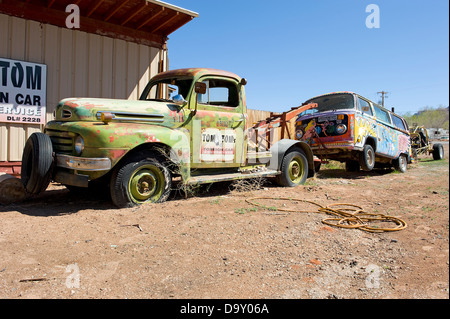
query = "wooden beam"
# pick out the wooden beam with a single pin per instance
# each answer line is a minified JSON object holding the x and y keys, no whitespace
{"x":94,"y":7}
{"x":165,"y":22}
{"x":50,"y":3}
{"x":114,"y":10}
{"x":181,"y":23}
{"x":57,"y":17}
{"x":133,"y":12}
{"x":147,"y":20}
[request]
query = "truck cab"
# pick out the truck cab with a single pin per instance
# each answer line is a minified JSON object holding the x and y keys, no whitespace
{"x":190,"y":124}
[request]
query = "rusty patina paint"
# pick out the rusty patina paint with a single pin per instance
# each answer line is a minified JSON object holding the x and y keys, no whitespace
{"x":164,"y":123}
{"x":198,"y":136}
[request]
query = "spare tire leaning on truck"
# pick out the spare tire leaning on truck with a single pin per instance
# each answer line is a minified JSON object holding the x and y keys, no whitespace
{"x":37,"y":160}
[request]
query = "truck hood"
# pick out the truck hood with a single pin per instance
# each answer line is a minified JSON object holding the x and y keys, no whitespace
{"x":90,"y":109}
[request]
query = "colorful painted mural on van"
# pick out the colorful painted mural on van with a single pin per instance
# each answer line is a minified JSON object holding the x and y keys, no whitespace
{"x":350,"y":128}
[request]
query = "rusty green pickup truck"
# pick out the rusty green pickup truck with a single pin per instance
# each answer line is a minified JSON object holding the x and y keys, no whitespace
{"x":189,"y":125}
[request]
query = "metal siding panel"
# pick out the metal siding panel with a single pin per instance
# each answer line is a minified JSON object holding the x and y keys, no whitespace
{"x":154,"y":64}
{"x":34,"y":44}
{"x":34,"y":53}
{"x":107,"y":65}
{"x":16,"y":141}
{"x":95,"y":66}
{"x":65,"y":65}
{"x":17,"y":131}
{"x":120,"y":69}
{"x":18,"y":35}
{"x":80,"y":64}
{"x":144,"y":67}
{"x":51,"y":59}
{"x":4,"y":139}
{"x":4,"y":52}
{"x":132,"y":71}
{"x":4,"y":35}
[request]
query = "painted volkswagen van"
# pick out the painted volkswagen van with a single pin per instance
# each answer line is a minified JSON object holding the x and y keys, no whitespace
{"x":349,"y":128}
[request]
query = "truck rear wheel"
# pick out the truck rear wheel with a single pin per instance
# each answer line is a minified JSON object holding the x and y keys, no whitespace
{"x":140,"y":181}
{"x":294,"y":169}
{"x":37,"y":159}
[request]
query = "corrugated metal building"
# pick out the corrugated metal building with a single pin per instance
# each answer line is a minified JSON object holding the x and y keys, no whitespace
{"x":112,"y":53}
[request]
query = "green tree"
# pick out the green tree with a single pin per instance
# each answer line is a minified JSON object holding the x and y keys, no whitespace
{"x":430,"y":117}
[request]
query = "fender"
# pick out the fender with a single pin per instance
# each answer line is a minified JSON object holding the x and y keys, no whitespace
{"x":99,"y":138}
{"x":282,"y":146}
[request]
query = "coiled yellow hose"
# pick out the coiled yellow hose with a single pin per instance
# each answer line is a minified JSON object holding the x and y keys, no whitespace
{"x":346,"y":216}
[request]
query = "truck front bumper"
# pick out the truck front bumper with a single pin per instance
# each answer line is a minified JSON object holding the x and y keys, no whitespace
{"x":83,"y":163}
{"x":68,"y":167}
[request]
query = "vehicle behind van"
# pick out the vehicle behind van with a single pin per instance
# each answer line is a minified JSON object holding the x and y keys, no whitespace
{"x":349,"y":128}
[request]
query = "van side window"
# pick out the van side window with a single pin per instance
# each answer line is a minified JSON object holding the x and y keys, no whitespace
{"x":220,"y":93}
{"x":398,"y":122}
{"x":364,"y":104}
{"x":381,"y":114}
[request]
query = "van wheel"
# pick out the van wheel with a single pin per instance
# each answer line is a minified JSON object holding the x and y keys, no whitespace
{"x":401,"y":163}
{"x":294,"y":169}
{"x":37,"y":159}
{"x":438,"y":151}
{"x":140,"y":181}
{"x":367,"y":158}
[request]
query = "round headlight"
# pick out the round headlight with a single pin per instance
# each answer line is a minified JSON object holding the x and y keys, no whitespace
{"x":341,"y":128}
{"x":79,"y":145}
{"x":299,"y":134}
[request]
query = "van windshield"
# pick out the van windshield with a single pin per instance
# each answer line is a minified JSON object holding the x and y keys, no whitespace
{"x":331,"y":102}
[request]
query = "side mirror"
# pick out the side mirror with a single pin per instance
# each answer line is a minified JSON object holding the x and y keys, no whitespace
{"x":200,"y":87}
{"x":243,"y":81}
{"x":179,"y":100}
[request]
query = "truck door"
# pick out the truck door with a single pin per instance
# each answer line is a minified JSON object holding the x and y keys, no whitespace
{"x":218,"y":125}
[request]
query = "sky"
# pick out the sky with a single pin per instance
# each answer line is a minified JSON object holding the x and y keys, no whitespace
{"x":292,"y":50}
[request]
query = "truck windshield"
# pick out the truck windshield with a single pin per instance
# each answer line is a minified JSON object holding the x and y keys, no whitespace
{"x":166,"y":89}
{"x":331,"y":102}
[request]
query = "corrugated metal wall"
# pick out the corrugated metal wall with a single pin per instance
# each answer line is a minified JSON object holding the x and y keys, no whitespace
{"x":79,"y":64}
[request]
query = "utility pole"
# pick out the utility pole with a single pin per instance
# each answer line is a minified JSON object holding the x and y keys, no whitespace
{"x":383,"y":93}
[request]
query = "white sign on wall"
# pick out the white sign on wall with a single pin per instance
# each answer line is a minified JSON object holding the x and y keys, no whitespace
{"x":23,"y":92}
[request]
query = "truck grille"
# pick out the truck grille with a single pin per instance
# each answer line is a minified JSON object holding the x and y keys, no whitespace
{"x":62,"y":141}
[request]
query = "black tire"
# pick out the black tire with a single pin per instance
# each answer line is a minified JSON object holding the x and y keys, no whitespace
{"x":130,"y":182}
{"x":37,"y":160}
{"x":367,"y":158}
{"x":294,"y":169}
{"x":438,"y":151}
{"x":352,"y":166}
{"x":401,"y":163}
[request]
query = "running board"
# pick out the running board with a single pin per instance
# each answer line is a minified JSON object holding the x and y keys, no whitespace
{"x":206,"y":179}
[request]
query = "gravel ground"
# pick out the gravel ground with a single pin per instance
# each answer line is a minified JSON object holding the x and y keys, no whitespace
{"x":216,"y":245}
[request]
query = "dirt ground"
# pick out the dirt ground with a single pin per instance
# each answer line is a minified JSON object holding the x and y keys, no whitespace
{"x":216,"y":245}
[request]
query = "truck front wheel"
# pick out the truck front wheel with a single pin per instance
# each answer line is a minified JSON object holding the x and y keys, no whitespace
{"x":37,"y":159}
{"x":294,"y":169}
{"x":140,"y":181}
